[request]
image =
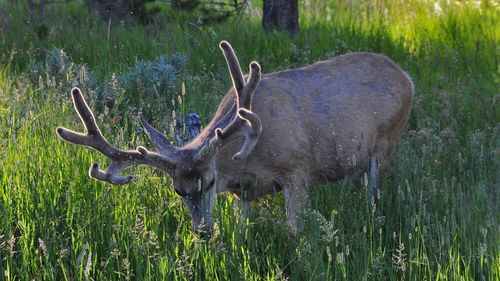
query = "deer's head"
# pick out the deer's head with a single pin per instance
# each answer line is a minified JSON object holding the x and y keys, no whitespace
{"x":192,"y":167}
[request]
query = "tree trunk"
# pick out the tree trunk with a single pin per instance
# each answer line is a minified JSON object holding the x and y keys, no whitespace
{"x":281,"y":15}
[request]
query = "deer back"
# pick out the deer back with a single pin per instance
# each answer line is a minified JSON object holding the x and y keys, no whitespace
{"x":324,"y":119}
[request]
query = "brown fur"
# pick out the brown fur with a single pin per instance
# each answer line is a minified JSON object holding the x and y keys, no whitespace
{"x":317,"y":119}
{"x":296,"y":128}
{"x":321,"y":123}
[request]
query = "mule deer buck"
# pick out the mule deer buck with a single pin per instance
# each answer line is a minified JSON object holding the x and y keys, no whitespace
{"x":288,"y":130}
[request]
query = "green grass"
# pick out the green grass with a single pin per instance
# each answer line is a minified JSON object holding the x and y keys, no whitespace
{"x":437,"y":217}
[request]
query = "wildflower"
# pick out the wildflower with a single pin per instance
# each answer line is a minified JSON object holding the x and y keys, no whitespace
{"x":42,"y":247}
{"x":340,"y":258}
{"x":81,"y":255}
{"x":88,"y":267}
{"x":399,"y":261}
{"x":115,"y":253}
{"x":126,"y":266}
{"x":11,"y":243}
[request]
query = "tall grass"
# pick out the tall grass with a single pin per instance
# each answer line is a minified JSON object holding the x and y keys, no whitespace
{"x":436,"y":217}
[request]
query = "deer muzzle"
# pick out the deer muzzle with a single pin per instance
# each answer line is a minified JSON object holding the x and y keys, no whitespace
{"x":200,"y":206}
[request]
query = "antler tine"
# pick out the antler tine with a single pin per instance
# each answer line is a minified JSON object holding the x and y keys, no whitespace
{"x":93,"y":136}
{"x":110,"y":175}
{"x":234,"y":65}
{"x":245,"y":122}
{"x":246,"y":95}
{"x":251,"y":127}
{"x":85,"y":113}
{"x":159,"y":141}
{"x":121,"y":159}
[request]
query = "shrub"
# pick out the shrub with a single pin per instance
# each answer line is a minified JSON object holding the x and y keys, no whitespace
{"x":56,"y":70}
{"x":152,"y":79}
{"x":149,"y":87}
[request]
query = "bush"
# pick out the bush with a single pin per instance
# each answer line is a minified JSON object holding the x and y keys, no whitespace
{"x":57,"y":71}
{"x":154,"y":78}
{"x":148,"y":87}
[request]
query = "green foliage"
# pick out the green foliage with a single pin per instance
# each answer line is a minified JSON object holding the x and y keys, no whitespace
{"x":436,"y":217}
{"x":186,"y":5}
{"x":58,"y":71}
{"x":153,"y":78}
{"x":208,"y":12}
{"x":148,"y":84}
{"x":119,"y":10}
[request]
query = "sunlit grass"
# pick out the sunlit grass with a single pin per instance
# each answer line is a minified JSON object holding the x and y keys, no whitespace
{"x":436,"y":217}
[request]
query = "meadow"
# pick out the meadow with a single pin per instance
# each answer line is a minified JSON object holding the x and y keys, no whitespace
{"x":437,"y":213}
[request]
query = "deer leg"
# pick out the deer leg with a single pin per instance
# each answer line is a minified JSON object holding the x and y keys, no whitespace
{"x":296,"y":196}
{"x":244,"y":210}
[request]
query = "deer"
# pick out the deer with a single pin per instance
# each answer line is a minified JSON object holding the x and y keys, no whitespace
{"x":288,"y":131}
